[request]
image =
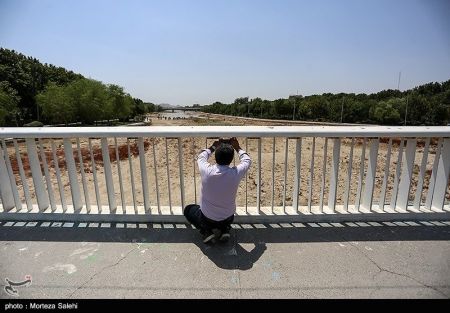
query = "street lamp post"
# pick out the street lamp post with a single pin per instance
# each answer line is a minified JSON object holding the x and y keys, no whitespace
{"x":342,"y":109}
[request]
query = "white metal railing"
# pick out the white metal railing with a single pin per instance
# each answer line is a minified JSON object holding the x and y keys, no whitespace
{"x":298,"y":172}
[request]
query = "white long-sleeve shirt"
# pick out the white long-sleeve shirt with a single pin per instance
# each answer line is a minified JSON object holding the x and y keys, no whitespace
{"x":220,"y":184}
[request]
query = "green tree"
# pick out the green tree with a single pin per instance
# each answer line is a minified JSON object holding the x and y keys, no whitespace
{"x":315,"y":108}
{"x":29,"y":77}
{"x":9,"y":109}
{"x":56,"y":105}
{"x":385,"y":113}
{"x":283,"y":108}
{"x":91,"y":100}
{"x":122,"y":103}
{"x":428,"y":104}
{"x":256,"y":107}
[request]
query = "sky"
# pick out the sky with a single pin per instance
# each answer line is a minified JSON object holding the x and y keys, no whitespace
{"x":185,"y":52}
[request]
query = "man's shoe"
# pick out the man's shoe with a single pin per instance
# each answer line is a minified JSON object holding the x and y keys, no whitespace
{"x":211,"y":235}
{"x":224,"y":237}
{"x":208,"y":237}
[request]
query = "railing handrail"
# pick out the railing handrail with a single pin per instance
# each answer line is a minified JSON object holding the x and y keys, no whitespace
{"x":221,"y":131}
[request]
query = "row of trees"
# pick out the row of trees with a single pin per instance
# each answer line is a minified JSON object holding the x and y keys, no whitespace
{"x":30,"y":90}
{"x":428,"y":104}
{"x":87,"y":100}
{"x":84,"y":100}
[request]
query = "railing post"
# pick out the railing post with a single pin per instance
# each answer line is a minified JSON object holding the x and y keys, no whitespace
{"x":246,"y":180}
{"x":58,"y":178}
{"x":324,"y":173}
{"x":370,"y":177}
{"x":361,"y":175}
{"x":397,"y":176}
{"x":12,"y":178}
{"x":273,"y":173}
{"x":349,"y":175}
{"x":119,"y":171}
{"x":298,"y":155}
{"x":311,"y":174}
{"x":382,"y":200}
{"x":47,"y":176}
{"x":144,"y":175}
{"x":38,"y":180}
{"x":180,"y":162}
{"x":193,"y":166}
{"x":130,"y":162}
{"x":83,"y":178}
{"x":407,"y":172}
{"x":5,"y":184}
{"x":442,"y":175}
{"x":433,"y":177}
{"x":23,"y":177}
{"x":108,"y":175}
{"x":334,"y":174}
{"x":156,"y":175}
{"x":418,"y":196}
{"x":73,"y":179}
{"x":258,"y":191}
{"x":94,"y":174}
{"x":168,"y":178}
{"x":286,"y":151}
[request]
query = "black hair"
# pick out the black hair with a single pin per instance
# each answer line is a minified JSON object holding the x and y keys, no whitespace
{"x":224,"y":154}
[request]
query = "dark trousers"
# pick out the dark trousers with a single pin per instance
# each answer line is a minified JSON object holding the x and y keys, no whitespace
{"x":195,"y":216}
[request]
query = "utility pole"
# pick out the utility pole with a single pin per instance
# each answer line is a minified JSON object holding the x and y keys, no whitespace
{"x":293,"y":113}
{"x":406,"y":109}
{"x":37,"y":105}
{"x":398,"y":88}
{"x":342,"y":108}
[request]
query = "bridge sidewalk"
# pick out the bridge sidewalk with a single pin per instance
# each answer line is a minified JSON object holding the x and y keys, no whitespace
{"x":337,"y":260}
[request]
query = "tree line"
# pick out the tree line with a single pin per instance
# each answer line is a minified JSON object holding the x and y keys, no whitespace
{"x":32,"y":91}
{"x":428,"y":104}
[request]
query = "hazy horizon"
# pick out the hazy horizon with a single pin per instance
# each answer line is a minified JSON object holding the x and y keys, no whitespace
{"x":188,"y":52}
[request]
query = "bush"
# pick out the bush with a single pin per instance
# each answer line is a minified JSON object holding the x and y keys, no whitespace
{"x":34,"y":124}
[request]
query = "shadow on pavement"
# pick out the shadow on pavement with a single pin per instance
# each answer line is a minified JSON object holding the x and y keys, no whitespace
{"x":232,"y":255}
{"x":241,"y":233}
{"x":235,"y":254}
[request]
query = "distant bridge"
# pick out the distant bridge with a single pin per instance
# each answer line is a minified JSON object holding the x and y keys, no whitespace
{"x":182,"y":109}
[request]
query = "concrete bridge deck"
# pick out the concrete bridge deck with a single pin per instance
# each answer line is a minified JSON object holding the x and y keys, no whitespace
{"x":290,"y":260}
